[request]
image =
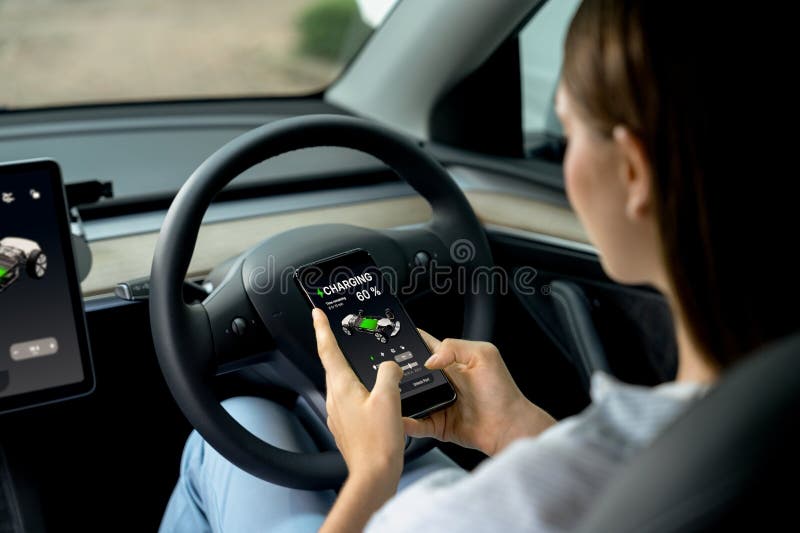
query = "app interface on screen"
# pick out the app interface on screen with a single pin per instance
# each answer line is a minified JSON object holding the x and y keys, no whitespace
{"x":39,"y":346}
{"x":368,"y":322}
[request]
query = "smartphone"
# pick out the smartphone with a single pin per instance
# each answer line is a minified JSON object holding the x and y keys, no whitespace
{"x":372,"y":326}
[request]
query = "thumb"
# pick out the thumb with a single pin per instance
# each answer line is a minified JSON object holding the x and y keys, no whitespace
{"x":388,"y":378}
{"x":450,"y":351}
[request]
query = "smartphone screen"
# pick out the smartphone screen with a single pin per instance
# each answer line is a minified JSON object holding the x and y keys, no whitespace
{"x":372,"y":326}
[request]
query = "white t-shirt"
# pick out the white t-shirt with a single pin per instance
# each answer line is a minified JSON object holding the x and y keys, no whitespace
{"x":543,"y":483}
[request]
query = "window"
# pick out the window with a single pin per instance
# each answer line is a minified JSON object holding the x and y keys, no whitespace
{"x":541,"y":51}
{"x":54,"y":52}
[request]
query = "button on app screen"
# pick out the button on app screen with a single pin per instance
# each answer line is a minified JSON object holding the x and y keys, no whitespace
{"x":368,"y":321}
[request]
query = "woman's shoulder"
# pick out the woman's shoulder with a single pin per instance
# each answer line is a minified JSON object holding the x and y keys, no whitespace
{"x":622,"y":417}
{"x":606,"y":387}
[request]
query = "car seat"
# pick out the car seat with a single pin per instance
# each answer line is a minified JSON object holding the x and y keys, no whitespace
{"x":729,"y":463}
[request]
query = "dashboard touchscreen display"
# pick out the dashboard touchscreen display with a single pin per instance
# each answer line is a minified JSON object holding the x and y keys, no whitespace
{"x":44,"y":354}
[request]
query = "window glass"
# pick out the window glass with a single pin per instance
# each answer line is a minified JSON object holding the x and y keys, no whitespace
{"x":541,"y":52}
{"x":59,"y":52}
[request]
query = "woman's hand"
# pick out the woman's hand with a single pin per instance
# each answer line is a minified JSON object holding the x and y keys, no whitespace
{"x":367,"y":426}
{"x":490,"y":411}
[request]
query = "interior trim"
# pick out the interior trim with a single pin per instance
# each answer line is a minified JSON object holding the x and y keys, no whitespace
{"x":124,"y":258}
{"x":513,"y":211}
{"x":542,"y":238}
{"x":439,"y":42}
{"x":227,"y":211}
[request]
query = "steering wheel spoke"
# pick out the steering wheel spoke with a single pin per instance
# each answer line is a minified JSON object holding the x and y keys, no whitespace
{"x":423,"y":254}
{"x":445,"y":259}
{"x":238,"y":333}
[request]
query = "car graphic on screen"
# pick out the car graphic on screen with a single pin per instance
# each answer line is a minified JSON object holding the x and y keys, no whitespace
{"x":380,"y":327}
{"x":18,"y":255}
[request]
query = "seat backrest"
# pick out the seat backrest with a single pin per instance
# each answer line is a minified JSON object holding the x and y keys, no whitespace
{"x":730,"y":461}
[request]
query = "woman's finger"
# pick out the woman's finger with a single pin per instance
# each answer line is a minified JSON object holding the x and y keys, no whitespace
{"x":452,"y":351}
{"x":388,"y":379}
{"x":329,"y":353}
{"x":432,"y":342}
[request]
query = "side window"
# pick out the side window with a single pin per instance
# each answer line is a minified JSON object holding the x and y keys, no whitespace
{"x":541,"y":44}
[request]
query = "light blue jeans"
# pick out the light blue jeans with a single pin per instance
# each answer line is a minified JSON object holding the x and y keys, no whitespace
{"x":214,"y":495}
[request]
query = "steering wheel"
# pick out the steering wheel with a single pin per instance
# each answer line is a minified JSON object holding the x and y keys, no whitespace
{"x":253,"y":311}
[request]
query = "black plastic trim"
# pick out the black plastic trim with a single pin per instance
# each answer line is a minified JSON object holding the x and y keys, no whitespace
{"x":161,"y":202}
{"x":299,"y":105}
{"x":483,"y":112}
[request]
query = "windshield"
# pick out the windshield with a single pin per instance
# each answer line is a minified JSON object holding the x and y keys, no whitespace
{"x":66,"y":52}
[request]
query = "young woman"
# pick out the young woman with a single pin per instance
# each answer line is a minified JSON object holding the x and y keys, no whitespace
{"x":677,"y":188}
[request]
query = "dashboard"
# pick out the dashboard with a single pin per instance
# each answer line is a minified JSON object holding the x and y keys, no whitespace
{"x":131,"y":148}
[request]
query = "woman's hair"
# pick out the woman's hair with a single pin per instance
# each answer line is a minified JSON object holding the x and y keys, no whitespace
{"x":700,"y":85}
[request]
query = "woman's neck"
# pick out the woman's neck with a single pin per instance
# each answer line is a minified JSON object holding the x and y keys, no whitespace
{"x":693,"y":364}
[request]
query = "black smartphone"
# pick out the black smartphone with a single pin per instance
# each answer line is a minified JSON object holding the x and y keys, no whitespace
{"x":372,"y":326}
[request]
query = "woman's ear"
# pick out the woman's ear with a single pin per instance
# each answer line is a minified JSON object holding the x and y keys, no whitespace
{"x":635,"y":173}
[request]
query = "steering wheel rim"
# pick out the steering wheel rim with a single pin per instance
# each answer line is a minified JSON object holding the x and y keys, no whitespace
{"x":182,"y":332}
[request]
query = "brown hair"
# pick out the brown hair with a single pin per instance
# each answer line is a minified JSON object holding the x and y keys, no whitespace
{"x":688,"y":79}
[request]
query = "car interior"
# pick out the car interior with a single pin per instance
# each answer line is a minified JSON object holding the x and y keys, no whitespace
{"x":433,"y":142}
